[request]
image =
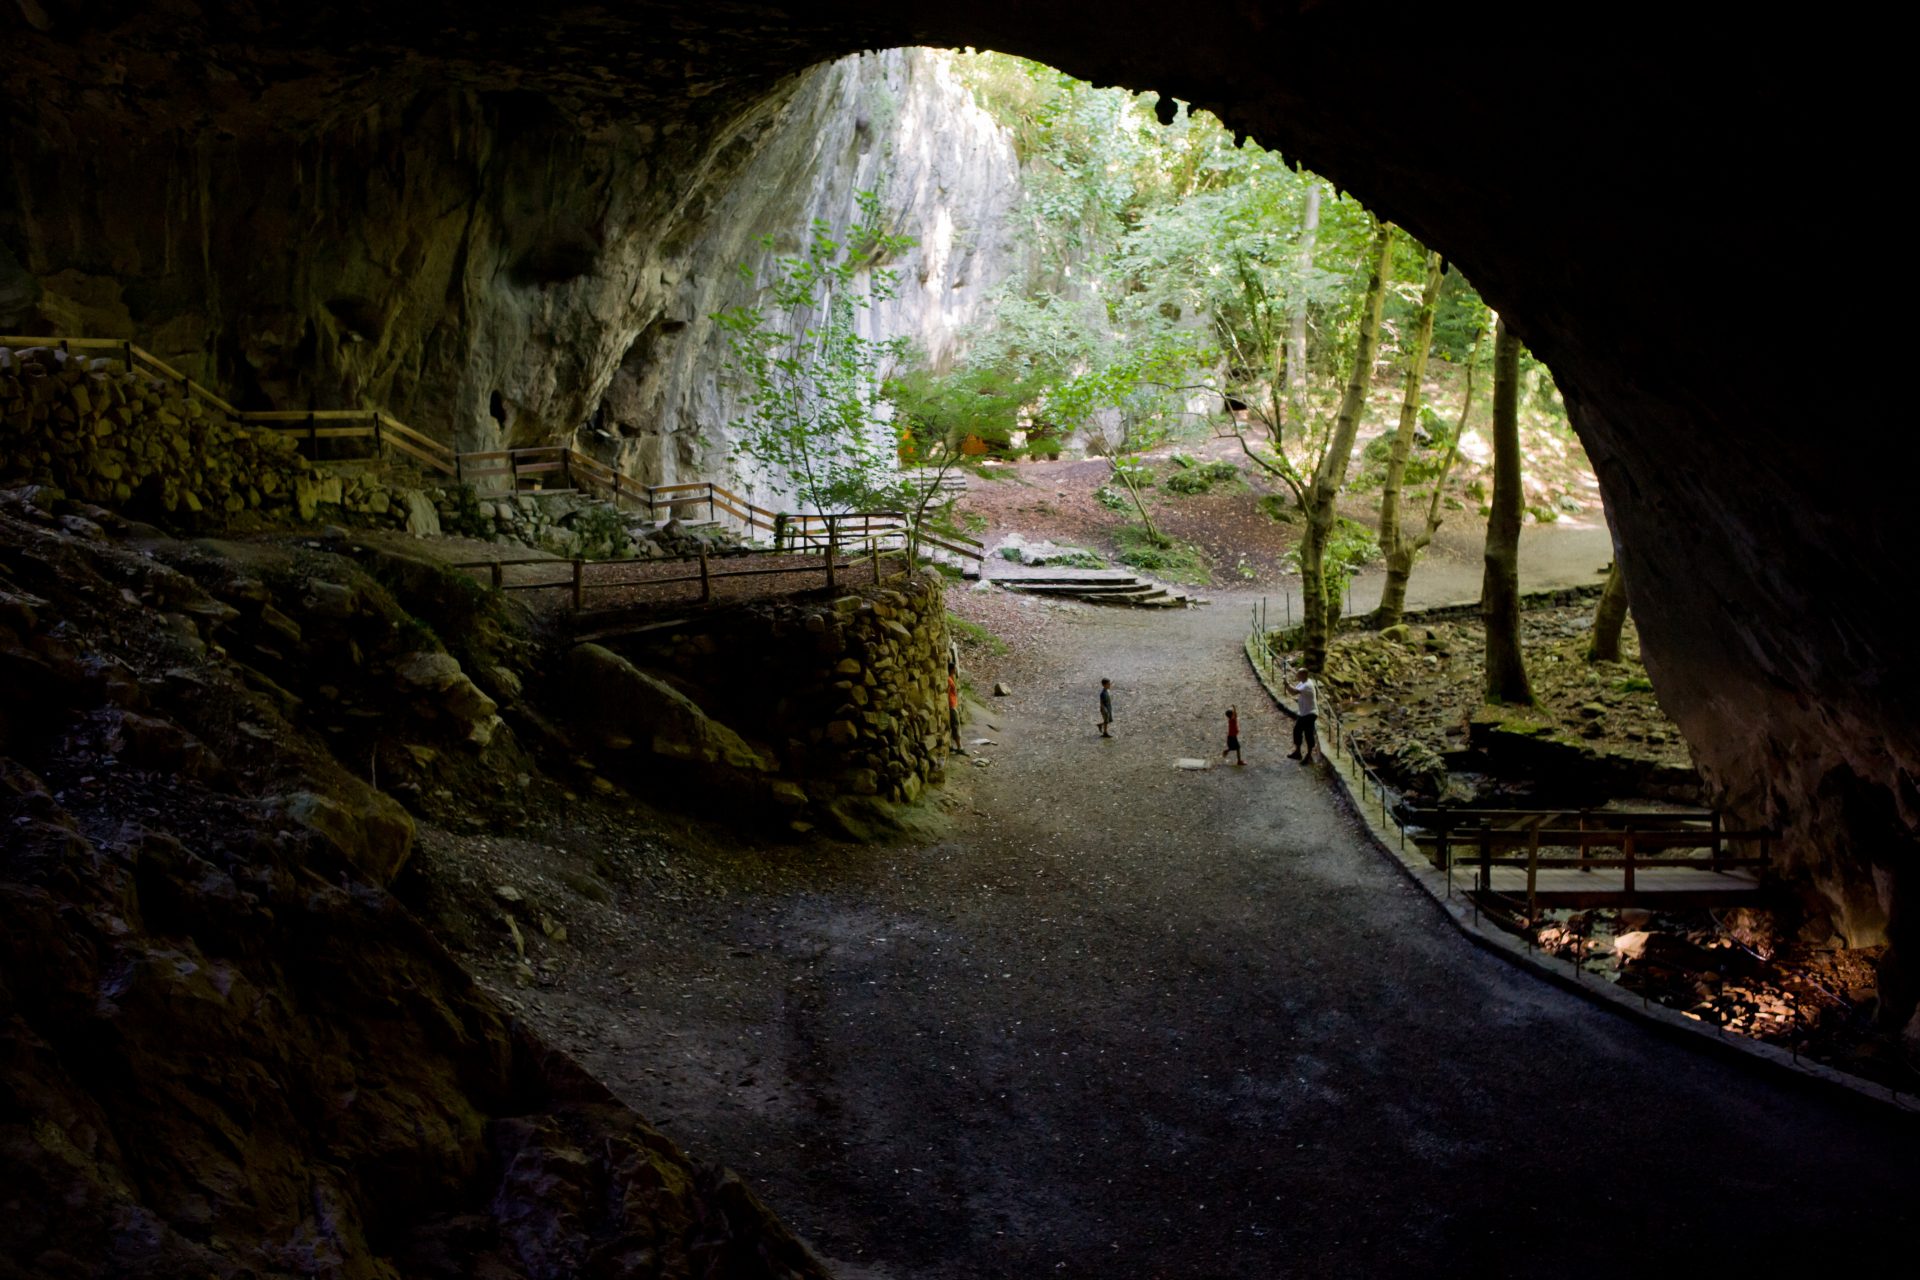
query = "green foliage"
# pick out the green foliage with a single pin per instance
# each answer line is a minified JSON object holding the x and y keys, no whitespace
{"x":813,"y":400}
{"x":1160,"y":555}
{"x":1280,"y":507}
{"x":971,"y":635}
{"x":1201,"y":479}
{"x":1633,"y":684}
{"x":935,"y":414}
{"x":1350,"y":546}
{"x":603,"y":534}
{"x":1111,"y":498}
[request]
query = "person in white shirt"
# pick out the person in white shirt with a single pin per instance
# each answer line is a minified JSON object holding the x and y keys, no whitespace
{"x":1304,"y":737}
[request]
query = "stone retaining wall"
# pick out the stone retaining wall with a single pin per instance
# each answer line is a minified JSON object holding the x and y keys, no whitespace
{"x":848,"y":694}
{"x":135,"y":443}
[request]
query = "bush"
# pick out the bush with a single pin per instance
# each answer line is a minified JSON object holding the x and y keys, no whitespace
{"x":1351,"y":545}
{"x":1201,"y":479}
{"x":1112,"y":499}
{"x":603,"y":534}
{"x":1280,"y":507}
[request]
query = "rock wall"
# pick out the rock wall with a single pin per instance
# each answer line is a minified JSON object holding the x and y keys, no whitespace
{"x":226,"y":1048}
{"x":498,"y":268}
{"x":844,"y":699}
{"x":898,"y":124}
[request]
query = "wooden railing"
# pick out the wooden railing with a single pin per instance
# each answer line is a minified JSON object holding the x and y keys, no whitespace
{"x":517,"y":467}
{"x":382,"y":428}
{"x":576,"y":580}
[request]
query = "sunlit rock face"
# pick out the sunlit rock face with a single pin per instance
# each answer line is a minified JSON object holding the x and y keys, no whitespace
{"x":898,"y":125}
{"x":434,"y":203}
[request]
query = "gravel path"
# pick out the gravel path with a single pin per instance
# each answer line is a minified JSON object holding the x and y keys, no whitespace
{"x":1128,"y":1021}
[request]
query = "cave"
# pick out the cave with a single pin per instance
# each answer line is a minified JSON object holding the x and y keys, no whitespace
{"x":456,"y":208}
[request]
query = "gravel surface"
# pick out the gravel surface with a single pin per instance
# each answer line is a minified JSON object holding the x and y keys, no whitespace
{"x":1127,"y":1021}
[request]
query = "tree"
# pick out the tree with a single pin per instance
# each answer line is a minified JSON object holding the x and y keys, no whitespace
{"x":1609,"y":616}
{"x":811,"y":383}
{"x":1500,"y":586}
{"x":1400,"y":557}
{"x":1393,"y":540}
{"x":934,"y":416}
{"x":1317,"y":499}
{"x":1297,"y":323}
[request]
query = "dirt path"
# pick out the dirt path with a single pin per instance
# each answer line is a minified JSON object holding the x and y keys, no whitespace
{"x":1135,"y":1022}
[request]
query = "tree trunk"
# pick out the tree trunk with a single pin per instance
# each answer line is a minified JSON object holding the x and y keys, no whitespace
{"x":1297,"y":332}
{"x":1392,"y":541}
{"x":1609,"y":616}
{"x":1317,"y":500}
{"x":1500,"y":587}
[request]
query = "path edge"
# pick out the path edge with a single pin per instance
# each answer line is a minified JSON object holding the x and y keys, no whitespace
{"x":1565,"y":974}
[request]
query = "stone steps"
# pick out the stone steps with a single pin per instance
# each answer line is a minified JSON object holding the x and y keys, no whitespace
{"x":1099,"y":586}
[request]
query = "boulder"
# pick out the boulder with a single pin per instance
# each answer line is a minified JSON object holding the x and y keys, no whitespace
{"x":436,"y":677}
{"x":369,"y":830}
{"x":621,"y":705}
{"x":422,"y":519}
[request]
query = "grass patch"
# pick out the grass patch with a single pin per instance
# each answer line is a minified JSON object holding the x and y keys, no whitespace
{"x":1163,"y":557}
{"x":971,"y":635}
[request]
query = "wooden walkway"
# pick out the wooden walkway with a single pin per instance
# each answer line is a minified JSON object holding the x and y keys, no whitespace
{"x":1652,"y":887}
{"x":1594,"y":857}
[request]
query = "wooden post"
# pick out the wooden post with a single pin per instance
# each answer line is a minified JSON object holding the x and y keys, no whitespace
{"x":376,"y":436}
{"x":706,"y":579}
{"x":1627,"y":850}
{"x":313,"y":433}
{"x":129,"y":355}
{"x":566,"y":472}
{"x":1713,"y":860}
{"x":1486,"y":857}
{"x":579,"y":583}
{"x":1440,"y":850}
{"x":616,"y":490}
{"x":1533,"y":871}
{"x":833,"y":549}
{"x":651,"y":512}
{"x":499,"y":576}
{"x":710,"y":514}
{"x":873,"y":546}
{"x":458,"y":471}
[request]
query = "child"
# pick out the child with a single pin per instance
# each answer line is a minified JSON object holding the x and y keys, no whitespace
{"x":953,"y":705}
{"x":1233,"y":737}
{"x":1106,"y":707}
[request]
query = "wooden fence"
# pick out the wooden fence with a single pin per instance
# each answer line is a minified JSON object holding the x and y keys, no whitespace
{"x":706,"y":573}
{"x":1641,"y":837}
{"x":523,"y":469}
{"x":308,"y":425}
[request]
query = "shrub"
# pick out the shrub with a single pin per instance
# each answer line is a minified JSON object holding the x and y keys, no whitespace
{"x":1201,"y":479}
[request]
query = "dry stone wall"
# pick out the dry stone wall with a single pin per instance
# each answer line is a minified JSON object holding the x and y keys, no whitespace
{"x":847,"y":695}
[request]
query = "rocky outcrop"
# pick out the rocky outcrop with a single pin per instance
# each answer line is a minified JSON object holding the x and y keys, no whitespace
{"x":535,"y":270}
{"x":225,"y":1048}
{"x":897,"y":124}
{"x":846,"y":697}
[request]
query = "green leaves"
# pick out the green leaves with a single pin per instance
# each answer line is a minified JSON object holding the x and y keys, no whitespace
{"x":815,"y":419}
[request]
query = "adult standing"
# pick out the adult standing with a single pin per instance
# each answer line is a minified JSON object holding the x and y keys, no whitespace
{"x":1305,"y":738}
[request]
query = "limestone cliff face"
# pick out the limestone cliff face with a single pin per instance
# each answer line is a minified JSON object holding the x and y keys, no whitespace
{"x":494,"y":266}
{"x":898,"y":124}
